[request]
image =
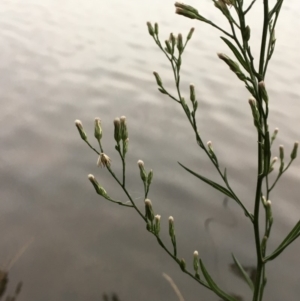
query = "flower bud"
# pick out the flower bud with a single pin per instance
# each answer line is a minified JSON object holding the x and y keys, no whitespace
{"x":220,"y":4}
{"x":171,"y":227}
{"x":269,"y":211}
{"x":294,"y":151}
{"x":246,"y":33}
{"x":263,"y":91}
{"x":125,"y":146}
{"x":168,"y":48}
{"x":158,"y":79}
{"x":81,"y":130}
{"x":172,"y":40}
{"x":149,"y":210}
{"x":185,"y":13}
{"x":255,"y":112}
{"x":232,"y":65}
{"x":98,"y":129}
{"x":142,"y":170}
{"x":281,"y":152}
{"x":123,"y":128}
{"x":264,"y":201}
{"x":186,"y":7}
{"x":117,"y":133}
{"x":156,"y":28}
{"x":192,"y":93}
{"x":99,"y":189}
{"x":264,"y":242}
{"x":182,"y":264}
{"x":157,"y":224}
{"x":150,"y":29}
{"x":196,"y":261}
{"x":274,"y":160}
{"x":150,"y":177}
{"x":180,"y":43}
{"x":274,"y":135}
{"x":190,"y":33}
{"x":281,"y":155}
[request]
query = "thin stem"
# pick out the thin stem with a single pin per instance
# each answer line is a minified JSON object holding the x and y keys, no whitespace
{"x":264,"y":38}
{"x":249,"y":7}
{"x":279,"y":175}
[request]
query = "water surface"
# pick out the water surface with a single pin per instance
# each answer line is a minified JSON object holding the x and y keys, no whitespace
{"x":81,"y":59}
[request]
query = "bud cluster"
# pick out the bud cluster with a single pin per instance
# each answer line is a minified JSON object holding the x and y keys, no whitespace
{"x":121,"y":134}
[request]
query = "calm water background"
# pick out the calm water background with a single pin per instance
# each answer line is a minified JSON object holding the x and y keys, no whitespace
{"x":63,"y":60}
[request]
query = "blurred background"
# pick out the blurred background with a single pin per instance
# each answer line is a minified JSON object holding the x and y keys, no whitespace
{"x":67,"y":60}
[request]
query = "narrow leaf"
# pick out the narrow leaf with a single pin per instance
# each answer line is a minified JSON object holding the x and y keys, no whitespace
{"x":295,"y":233}
{"x":209,"y":182}
{"x":225,"y":177}
{"x":213,"y":285}
{"x":236,"y":53}
{"x":244,"y":273}
{"x":292,"y":233}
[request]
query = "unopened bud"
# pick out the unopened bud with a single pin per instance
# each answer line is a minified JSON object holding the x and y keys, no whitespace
{"x":274,"y":160}
{"x":81,"y":130}
{"x":150,"y":29}
{"x":281,"y":155}
{"x":186,"y":7}
{"x":98,"y":129}
{"x":99,"y":189}
{"x":196,"y":261}
{"x":171,"y":227}
{"x":294,"y":151}
{"x":123,"y":128}
{"x":246,"y":33}
{"x":190,"y":33}
{"x":232,"y":65}
{"x":274,"y":135}
{"x":264,"y":201}
{"x":281,"y":152}
{"x":156,"y":28}
{"x":192,"y":93}
{"x":255,"y":112}
{"x":125,"y":146}
{"x":117,"y":133}
{"x":157,"y":224}
{"x":210,"y":147}
{"x":263,"y":91}
{"x":142,"y":170}
{"x":158,"y":79}
{"x":269,"y":211}
{"x":150,"y":177}
{"x":264,"y":242}
{"x":220,"y":4}
{"x":168,"y":48}
{"x":180,"y":43}
{"x":182,"y":264}
{"x":185,"y":13}
{"x":149,"y":210}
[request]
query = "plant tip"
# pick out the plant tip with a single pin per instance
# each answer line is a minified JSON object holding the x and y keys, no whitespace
{"x":148,"y":202}
{"x":140,"y":163}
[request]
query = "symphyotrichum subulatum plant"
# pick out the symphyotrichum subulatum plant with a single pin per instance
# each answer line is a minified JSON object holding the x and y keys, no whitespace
{"x":241,"y":62}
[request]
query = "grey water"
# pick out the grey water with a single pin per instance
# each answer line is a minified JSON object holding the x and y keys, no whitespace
{"x":67,"y":60}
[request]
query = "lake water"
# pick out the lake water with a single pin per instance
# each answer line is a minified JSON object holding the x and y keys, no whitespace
{"x":67,"y":60}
